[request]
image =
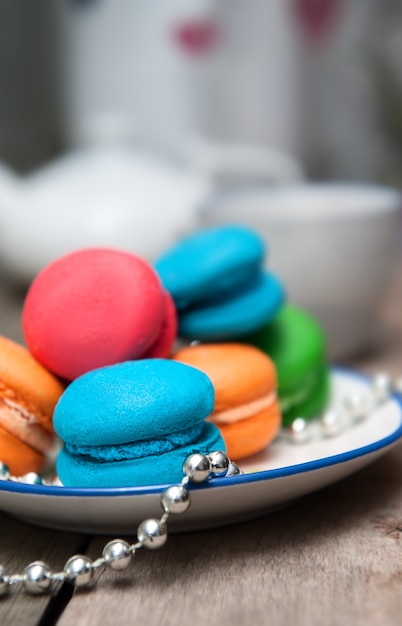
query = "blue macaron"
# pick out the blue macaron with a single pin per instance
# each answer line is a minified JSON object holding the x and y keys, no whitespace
{"x":220,"y":287}
{"x":210,"y":262}
{"x":248,"y":309}
{"x":134,"y":424}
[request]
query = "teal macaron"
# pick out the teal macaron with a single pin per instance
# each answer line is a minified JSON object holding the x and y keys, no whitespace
{"x":228,"y":318}
{"x":134,"y":423}
{"x":210,"y":262}
{"x":217,"y":280}
{"x":296,"y":343}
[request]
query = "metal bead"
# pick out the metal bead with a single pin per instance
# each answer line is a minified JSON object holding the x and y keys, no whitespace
{"x":233,"y":470}
{"x":331,"y":423}
{"x":382,"y":388}
{"x":117,"y":554}
{"x":79,"y":570}
{"x":4,"y":581}
{"x":197,"y":467}
{"x":37,"y":578}
{"x":152,"y":533}
{"x":4,"y":471}
{"x":298,"y":431}
{"x":219,"y":462}
{"x":175,"y":499}
{"x":357,"y":406}
{"x":31,"y":479}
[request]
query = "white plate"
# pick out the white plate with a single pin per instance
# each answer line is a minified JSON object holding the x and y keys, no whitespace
{"x":277,"y":476}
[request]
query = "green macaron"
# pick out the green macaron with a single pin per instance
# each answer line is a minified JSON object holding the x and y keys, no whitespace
{"x":297,"y":345}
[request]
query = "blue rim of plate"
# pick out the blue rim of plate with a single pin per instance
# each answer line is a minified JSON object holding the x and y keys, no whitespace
{"x":263,"y":475}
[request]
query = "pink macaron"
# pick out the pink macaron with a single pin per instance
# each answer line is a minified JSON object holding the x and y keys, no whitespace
{"x":96,"y":307}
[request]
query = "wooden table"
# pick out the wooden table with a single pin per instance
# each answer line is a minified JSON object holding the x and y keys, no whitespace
{"x":335,"y":557}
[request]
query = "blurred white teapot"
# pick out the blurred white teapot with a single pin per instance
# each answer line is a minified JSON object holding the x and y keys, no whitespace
{"x":114,"y":195}
{"x":94,"y":197}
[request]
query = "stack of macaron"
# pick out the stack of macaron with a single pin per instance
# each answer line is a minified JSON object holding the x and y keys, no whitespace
{"x":85,"y":310}
{"x":217,"y":281}
{"x":101,"y":320}
{"x":130,"y":408}
{"x":222,"y":294}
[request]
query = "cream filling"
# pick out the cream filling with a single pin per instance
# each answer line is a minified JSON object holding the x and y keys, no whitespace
{"x":229,"y":416}
{"x":24,"y":426}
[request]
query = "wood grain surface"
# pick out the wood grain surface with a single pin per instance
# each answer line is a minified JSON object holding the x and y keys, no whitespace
{"x":334,"y":558}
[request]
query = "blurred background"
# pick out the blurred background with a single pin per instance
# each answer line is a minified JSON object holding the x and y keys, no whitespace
{"x":319,"y":78}
{"x":119,"y":118}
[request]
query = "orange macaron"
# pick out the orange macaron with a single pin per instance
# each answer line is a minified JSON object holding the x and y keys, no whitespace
{"x":246,"y":407}
{"x":28,"y":395}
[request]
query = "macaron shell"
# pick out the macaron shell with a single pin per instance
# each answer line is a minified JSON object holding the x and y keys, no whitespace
{"x":251,"y":435}
{"x":296,"y":343}
{"x":25,"y":377}
{"x":91,"y":308}
{"x":133,"y":401}
{"x":164,"y":469}
{"x":316,"y":401}
{"x":163,"y":345}
{"x":246,"y":311}
{"x":210,"y":261}
{"x":240,"y":373}
{"x":18,"y":456}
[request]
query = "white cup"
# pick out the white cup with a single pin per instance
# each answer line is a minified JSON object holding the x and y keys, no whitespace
{"x":334,"y":245}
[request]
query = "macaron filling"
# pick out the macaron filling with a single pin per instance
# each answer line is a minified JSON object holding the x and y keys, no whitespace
{"x":234,"y":414}
{"x":138,"y":449}
{"x":20,"y":420}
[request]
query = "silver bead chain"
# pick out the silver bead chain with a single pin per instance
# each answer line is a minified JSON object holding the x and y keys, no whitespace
{"x":354,"y":409}
{"x":37,"y":578}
